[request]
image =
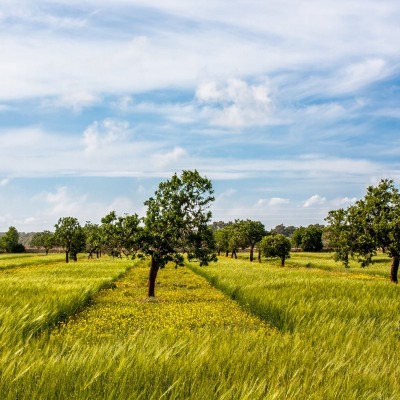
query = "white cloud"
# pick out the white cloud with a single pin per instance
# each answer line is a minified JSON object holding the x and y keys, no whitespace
{"x":358,"y":75}
{"x":314,"y":200}
{"x":341,"y":201}
{"x":103,"y":134}
{"x":235,"y":103}
{"x":276,"y":201}
{"x":74,"y":99}
{"x":61,"y":203}
{"x":178,"y":154}
{"x":4,"y":181}
{"x":272,"y":202}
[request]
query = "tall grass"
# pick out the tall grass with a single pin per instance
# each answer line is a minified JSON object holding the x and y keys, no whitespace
{"x":331,"y":336}
{"x":36,"y":295}
{"x":344,"y":328}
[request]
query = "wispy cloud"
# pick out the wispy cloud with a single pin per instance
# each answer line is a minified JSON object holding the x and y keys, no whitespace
{"x":314,"y":200}
{"x":105,"y":133}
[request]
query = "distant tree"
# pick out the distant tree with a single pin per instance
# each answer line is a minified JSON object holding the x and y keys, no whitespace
{"x":70,"y":236}
{"x":276,"y":246}
{"x":217,"y":225}
{"x":236,"y":239}
{"x":44,"y":240}
{"x":10,"y":241}
{"x":221,"y":237}
{"x":308,"y":239}
{"x":93,"y":240}
{"x":251,"y":232}
{"x":284,"y":230}
{"x":297,"y":236}
{"x":120,"y":235}
{"x":368,"y":225}
{"x":177,"y":221}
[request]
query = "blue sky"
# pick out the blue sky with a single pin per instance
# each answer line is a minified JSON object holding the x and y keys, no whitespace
{"x":290,"y":108}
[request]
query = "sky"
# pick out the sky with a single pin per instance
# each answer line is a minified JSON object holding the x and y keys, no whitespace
{"x":291,"y":108}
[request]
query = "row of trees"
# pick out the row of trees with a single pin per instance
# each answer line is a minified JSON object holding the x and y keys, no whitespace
{"x":176,"y":222}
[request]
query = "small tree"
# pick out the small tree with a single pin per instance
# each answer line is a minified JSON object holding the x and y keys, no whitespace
{"x":276,"y":246}
{"x":221,"y":237}
{"x":44,"y":240}
{"x":70,"y":236}
{"x":93,"y":240}
{"x":10,"y":241}
{"x":251,"y":233}
{"x":176,"y":222}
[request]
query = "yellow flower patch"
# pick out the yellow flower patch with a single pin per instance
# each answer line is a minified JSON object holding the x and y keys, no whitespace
{"x":184,"y":302}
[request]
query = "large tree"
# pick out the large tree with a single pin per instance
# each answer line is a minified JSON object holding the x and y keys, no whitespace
{"x":276,"y":246}
{"x":70,"y":236}
{"x":176,"y":223}
{"x":370,"y":224}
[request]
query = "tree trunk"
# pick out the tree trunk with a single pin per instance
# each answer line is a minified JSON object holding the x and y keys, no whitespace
{"x":152,"y":276}
{"x":394,"y":269}
{"x":251,"y":253}
{"x":66,"y":256}
{"x":227,"y":253}
{"x":259,"y":255}
{"x":283,"y":261}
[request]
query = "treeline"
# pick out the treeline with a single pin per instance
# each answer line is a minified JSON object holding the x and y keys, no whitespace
{"x":178,"y":221}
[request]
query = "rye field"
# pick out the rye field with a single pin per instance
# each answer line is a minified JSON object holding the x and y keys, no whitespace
{"x":232,"y":330}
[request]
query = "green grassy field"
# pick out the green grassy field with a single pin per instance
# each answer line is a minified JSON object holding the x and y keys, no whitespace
{"x":277,"y":333}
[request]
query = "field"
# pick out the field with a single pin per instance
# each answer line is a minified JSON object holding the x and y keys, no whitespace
{"x":232,"y":330}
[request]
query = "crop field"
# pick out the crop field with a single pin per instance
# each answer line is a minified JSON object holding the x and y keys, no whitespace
{"x":232,"y":330}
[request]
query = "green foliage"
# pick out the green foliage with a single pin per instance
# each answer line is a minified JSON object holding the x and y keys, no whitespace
{"x":276,"y":246}
{"x":70,"y":236}
{"x":284,"y":230}
{"x":251,"y":232}
{"x":9,"y":242}
{"x":370,"y":224}
{"x":120,"y":235}
{"x":176,"y":222}
{"x":308,"y":239}
{"x":44,"y":240}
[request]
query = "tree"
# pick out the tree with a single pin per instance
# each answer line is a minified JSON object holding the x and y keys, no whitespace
{"x":93,"y":240}
{"x":221,"y":238}
{"x":308,"y":239}
{"x":275,"y":246}
{"x":10,"y":241}
{"x":251,"y":233}
{"x":370,"y":224}
{"x":43,"y":239}
{"x":176,"y":222}
{"x":120,"y":235}
{"x":284,"y":230}
{"x":70,"y":236}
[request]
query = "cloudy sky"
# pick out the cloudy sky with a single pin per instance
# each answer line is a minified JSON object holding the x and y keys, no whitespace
{"x":291,"y":108}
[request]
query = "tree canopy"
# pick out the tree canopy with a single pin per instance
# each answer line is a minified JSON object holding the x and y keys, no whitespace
{"x":276,"y":246}
{"x":308,"y":239}
{"x":70,"y":236}
{"x":10,"y":241}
